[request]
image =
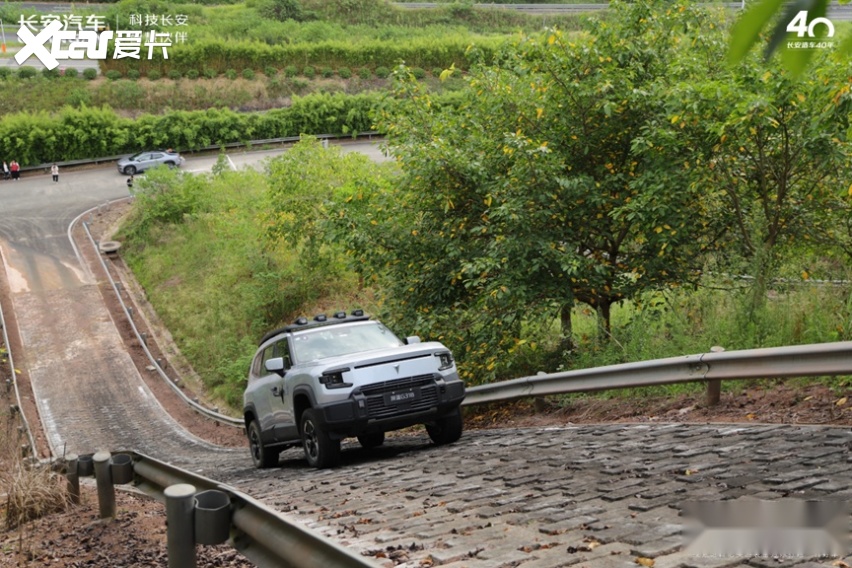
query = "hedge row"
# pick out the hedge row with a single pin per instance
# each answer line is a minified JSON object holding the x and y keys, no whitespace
{"x":426,"y":53}
{"x":72,"y":134}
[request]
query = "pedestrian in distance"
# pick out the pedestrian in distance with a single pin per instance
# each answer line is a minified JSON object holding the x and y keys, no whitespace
{"x":130,"y":182}
{"x":54,"y":171}
{"x":5,"y":170}
{"x":15,"y":168}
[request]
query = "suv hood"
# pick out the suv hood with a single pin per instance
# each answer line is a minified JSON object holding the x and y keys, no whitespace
{"x":362,"y":359}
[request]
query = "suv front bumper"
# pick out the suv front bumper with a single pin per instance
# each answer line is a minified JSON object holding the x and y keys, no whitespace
{"x":391,"y":405}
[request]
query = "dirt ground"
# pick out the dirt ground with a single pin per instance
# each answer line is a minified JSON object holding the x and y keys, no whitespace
{"x":136,"y":536}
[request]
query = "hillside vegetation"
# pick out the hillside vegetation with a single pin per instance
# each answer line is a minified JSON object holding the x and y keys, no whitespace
{"x":586,"y":200}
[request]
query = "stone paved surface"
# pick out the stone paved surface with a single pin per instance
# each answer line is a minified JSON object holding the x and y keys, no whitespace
{"x":592,"y":496}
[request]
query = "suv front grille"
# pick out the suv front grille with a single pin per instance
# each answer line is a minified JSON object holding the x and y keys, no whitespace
{"x":378,"y":407}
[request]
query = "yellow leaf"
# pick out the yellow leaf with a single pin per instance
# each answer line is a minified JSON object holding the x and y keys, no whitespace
{"x":675,"y":118}
{"x":850,"y":190}
{"x":807,"y":398}
{"x":841,"y":402}
{"x":805,"y":275}
{"x":840,"y":564}
{"x":551,"y":40}
{"x":539,"y":112}
{"x":647,"y":562}
{"x":750,"y":416}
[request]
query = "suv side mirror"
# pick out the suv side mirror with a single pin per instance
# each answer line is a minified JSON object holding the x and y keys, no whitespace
{"x":412,"y":340}
{"x":275,"y":365}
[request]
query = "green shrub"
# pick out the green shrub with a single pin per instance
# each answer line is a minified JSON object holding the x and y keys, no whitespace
{"x":5,"y":72}
{"x":365,"y":73}
{"x":291,"y":71}
{"x":248,"y":74}
{"x":113,"y":75}
{"x":418,"y":73}
{"x":154,"y":74}
{"x":327,"y":72}
{"x":27,"y":72}
{"x":175,"y":74}
{"x":270,"y":71}
{"x":133,"y":74}
{"x":299,"y":85}
{"x":382,"y":72}
{"x":50,"y":73}
{"x":90,"y":74}
{"x":231,"y":74}
{"x":192,"y":74}
{"x":344,"y":72}
{"x":71,"y":73}
{"x":436,"y":72}
{"x":210,"y":73}
{"x":309,"y":72}
{"x":79,"y":97}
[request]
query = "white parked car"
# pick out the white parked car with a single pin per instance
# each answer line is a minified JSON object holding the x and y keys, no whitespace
{"x":142,"y":161}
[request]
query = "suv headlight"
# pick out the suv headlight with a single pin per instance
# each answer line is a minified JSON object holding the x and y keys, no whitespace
{"x":333,"y":379}
{"x":446,"y":360}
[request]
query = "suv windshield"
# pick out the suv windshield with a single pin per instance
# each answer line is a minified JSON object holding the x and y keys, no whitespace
{"x":336,"y":340}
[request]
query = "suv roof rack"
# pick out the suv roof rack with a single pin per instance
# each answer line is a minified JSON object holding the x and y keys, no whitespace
{"x":319,"y":320}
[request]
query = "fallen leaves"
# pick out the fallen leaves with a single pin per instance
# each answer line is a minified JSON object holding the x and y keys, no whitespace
{"x":646,"y":562}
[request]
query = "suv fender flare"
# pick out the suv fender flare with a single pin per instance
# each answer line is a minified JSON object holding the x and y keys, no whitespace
{"x":306,"y":391}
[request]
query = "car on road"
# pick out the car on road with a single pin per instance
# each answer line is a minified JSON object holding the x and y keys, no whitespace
{"x":142,"y":161}
{"x":315,"y":382}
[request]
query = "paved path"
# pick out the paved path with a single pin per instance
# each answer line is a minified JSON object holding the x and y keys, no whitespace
{"x":591,"y":496}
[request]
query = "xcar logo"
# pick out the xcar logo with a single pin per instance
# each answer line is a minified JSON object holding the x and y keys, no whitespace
{"x":88,"y":44}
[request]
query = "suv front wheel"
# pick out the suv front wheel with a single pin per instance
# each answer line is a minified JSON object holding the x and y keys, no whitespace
{"x":446,"y":429}
{"x":320,"y":450}
{"x":262,"y":456}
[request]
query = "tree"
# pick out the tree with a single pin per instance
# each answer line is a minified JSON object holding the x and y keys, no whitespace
{"x":779,"y":160}
{"x":530,"y":194}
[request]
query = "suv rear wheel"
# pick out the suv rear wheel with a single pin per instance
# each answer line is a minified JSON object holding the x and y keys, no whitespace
{"x":320,"y":450}
{"x":446,"y":429}
{"x":373,"y":440}
{"x":261,"y":456}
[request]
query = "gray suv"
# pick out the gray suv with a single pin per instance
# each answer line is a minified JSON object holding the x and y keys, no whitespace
{"x":315,"y":382}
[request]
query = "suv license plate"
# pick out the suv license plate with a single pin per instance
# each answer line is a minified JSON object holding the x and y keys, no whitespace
{"x":401,"y":397}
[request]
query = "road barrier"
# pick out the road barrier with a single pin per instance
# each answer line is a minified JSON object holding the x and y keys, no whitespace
{"x":202,"y":511}
{"x":814,"y":360}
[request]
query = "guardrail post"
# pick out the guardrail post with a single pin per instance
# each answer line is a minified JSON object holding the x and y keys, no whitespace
{"x":106,"y":491}
{"x":714,"y":386}
{"x":73,"y":479}
{"x":180,"y":528}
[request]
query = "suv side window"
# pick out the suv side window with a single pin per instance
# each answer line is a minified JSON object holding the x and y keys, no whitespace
{"x":283,"y":350}
{"x":277,"y":349}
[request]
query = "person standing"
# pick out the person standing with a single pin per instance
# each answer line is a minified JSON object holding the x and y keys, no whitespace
{"x":5,"y":170}
{"x":54,"y":171}
{"x":16,"y":170}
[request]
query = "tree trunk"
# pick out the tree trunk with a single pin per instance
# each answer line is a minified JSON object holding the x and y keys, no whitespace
{"x":567,"y":341}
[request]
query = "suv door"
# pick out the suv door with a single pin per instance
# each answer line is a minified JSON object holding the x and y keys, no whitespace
{"x":270,"y":394}
{"x":282,"y":406}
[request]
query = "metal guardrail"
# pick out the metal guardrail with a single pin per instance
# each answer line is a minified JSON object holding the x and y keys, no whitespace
{"x":13,"y":378}
{"x":202,"y":511}
{"x":215,"y":415}
{"x":814,"y":360}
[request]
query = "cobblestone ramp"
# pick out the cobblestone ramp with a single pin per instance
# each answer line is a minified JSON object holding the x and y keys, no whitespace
{"x":590,"y":496}
{"x":88,"y":391}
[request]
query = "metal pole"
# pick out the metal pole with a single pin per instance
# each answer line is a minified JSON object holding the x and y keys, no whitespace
{"x":180,"y":528}
{"x":714,"y":386}
{"x":73,"y":479}
{"x":106,"y":491}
